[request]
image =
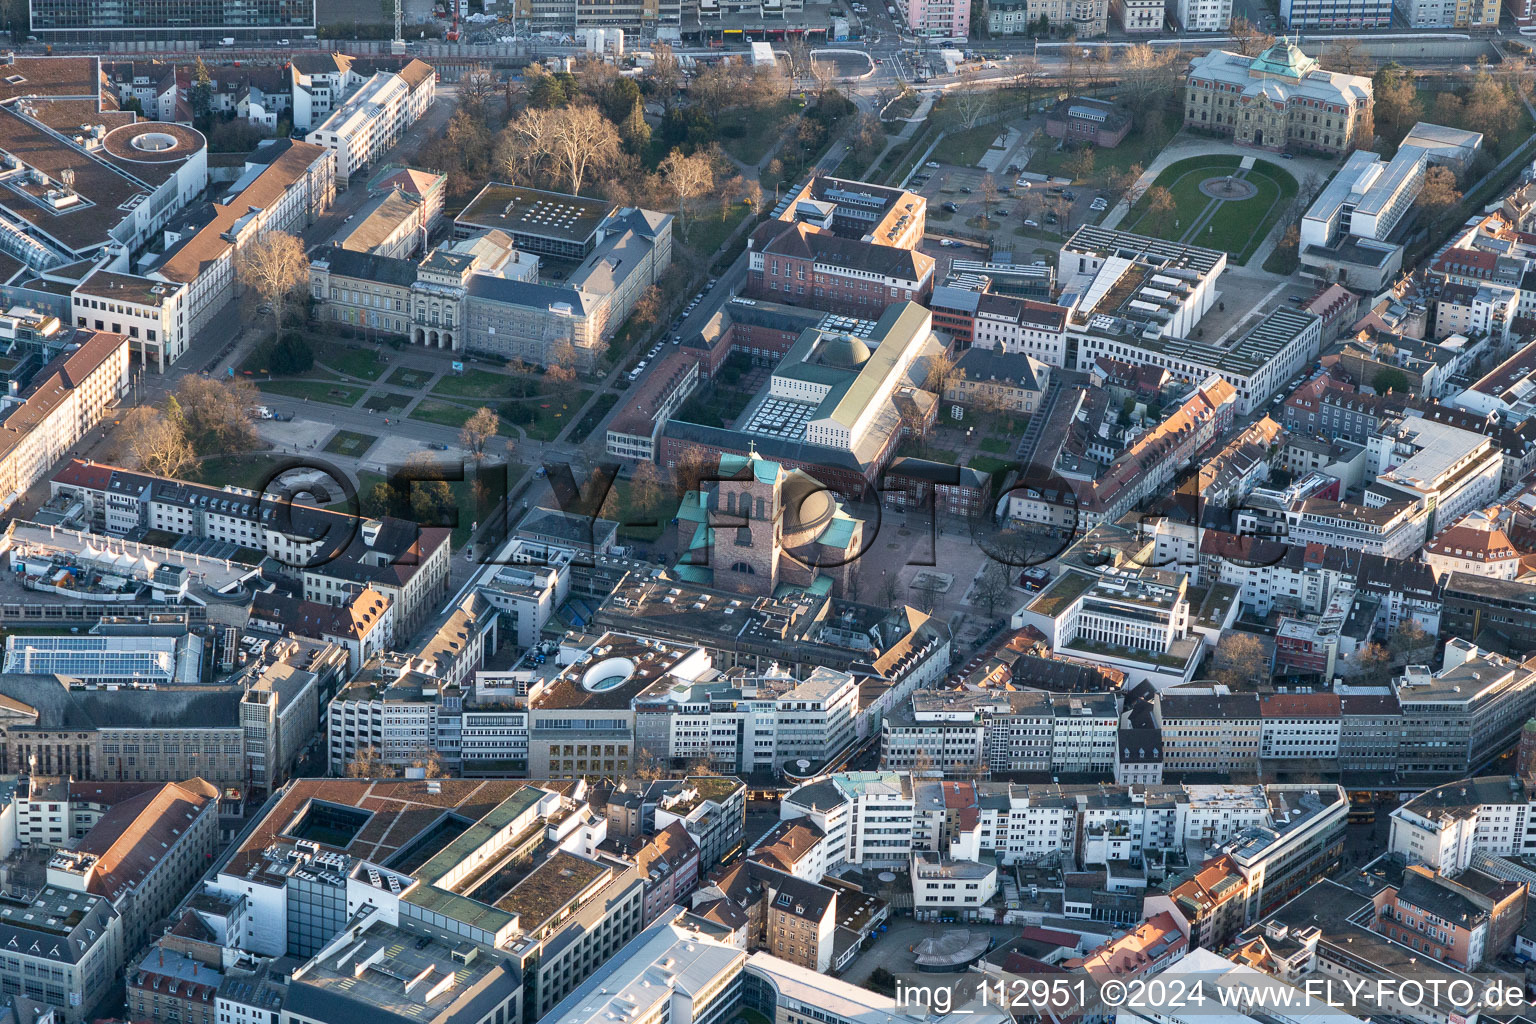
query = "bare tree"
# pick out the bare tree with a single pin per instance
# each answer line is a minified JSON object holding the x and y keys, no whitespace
{"x":477,"y":86}
{"x":798,"y":56}
{"x":1349,"y":56}
{"x":993,"y":587}
{"x":941,"y":369}
{"x":988,"y":196}
{"x":368,"y":765}
{"x":478,"y":431}
{"x":429,"y":761}
{"x":1439,"y":196}
{"x":1160,"y":206}
{"x":526,"y":146}
{"x":1028,"y":73}
{"x":967,"y":102}
{"x":645,"y":488}
{"x":215,"y":413}
{"x":1124,"y":183}
{"x":274,"y":267}
{"x":665,"y":74}
{"x":1250,"y":40}
{"x":1240,"y":660}
{"x":583,"y":142}
{"x":689,"y":177}
{"x":156,"y":442}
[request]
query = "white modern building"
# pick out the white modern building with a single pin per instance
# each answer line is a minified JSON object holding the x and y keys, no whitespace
{"x":373,"y":118}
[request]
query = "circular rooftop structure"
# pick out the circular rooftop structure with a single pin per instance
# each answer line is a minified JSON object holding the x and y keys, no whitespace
{"x":608,"y":674}
{"x":844,"y":351}
{"x":954,"y":950}
{"x":153,"y":142}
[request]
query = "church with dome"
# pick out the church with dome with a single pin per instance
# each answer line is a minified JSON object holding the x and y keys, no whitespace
{"x":756,"y":529}
{"x":1280,"y":100}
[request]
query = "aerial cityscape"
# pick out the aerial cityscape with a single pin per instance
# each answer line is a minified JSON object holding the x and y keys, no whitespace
{"x":768,"y":512}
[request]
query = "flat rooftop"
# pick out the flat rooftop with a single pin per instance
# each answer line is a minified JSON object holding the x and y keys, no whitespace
{"x":532,"y":211}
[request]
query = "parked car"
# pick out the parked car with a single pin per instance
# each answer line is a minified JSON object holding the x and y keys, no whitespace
{"x":947,"y":242}
{"x":951,"y":208}
{"x":437,"y":446}
{"x":932,"y":165}
{"x":1031,"y":223}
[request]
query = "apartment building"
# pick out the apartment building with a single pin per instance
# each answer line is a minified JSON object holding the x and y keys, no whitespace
{"x":334,"y":554}
{"x":1088,"y":19}
{"x":1333,"y":939}
{"x":1013,"y":325}
{"x":63,"y":401}
{"x":144,"y":854}
{"x":1463,"y":921}
{"x":1202,"y":15}
{"x":319,"y":81}
{"x":1211,"y":732}
{"x":976,"y":732}
{"x":942,"y":887}
{"x":1139,"y":17}
{"x":1274,"y":835}
{"x":372,"y":119}
{"x":1445,"y":827}
{"x":1449,"y":13}
{"x":939,"y":20}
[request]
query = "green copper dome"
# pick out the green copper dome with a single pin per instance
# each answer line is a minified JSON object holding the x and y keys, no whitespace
{"x":1283,"y":58}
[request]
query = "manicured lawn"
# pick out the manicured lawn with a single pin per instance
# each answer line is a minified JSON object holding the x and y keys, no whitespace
{"x":463,"y":499}
{"x":747,"y":132}
{"x":475,"y":384}
{"x":995,"y":445}
{"x":1236,"y":227}
{"x":411,"y":380}
{"x":251,"y":471}
{"x":1141,"y":146}
{"x":714,"y":406}
{"x":965,"y":148}
{"x":330,"y":392}
{"x":364,"y":363}
{"x":387,"y":401}
{"x":349,"y":442}
{"x":988,"y":463}
{"x":707,"y":230}
{"x":543,"y":420}
{"x":448,"y":414}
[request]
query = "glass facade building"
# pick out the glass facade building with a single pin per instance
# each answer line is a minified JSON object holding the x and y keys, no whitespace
{"x":170,"y":19}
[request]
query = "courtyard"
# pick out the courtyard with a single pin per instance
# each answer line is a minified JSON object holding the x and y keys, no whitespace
{"x":1225,"y":202}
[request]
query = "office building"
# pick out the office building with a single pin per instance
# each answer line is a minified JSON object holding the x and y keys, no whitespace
{"x":78,"y":21}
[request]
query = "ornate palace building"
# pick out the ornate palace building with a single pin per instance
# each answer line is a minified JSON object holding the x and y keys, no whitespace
{"x":1281,"y":99}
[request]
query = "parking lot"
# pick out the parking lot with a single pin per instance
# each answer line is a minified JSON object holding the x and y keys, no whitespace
{"x":1021,"y":212}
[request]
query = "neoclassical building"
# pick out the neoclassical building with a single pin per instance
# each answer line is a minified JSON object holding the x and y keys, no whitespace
{"x":1281,"y":99}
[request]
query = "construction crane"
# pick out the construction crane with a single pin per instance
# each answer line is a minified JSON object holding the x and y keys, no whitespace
{"x":453,"y":30}
{"x":397,"y":44}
